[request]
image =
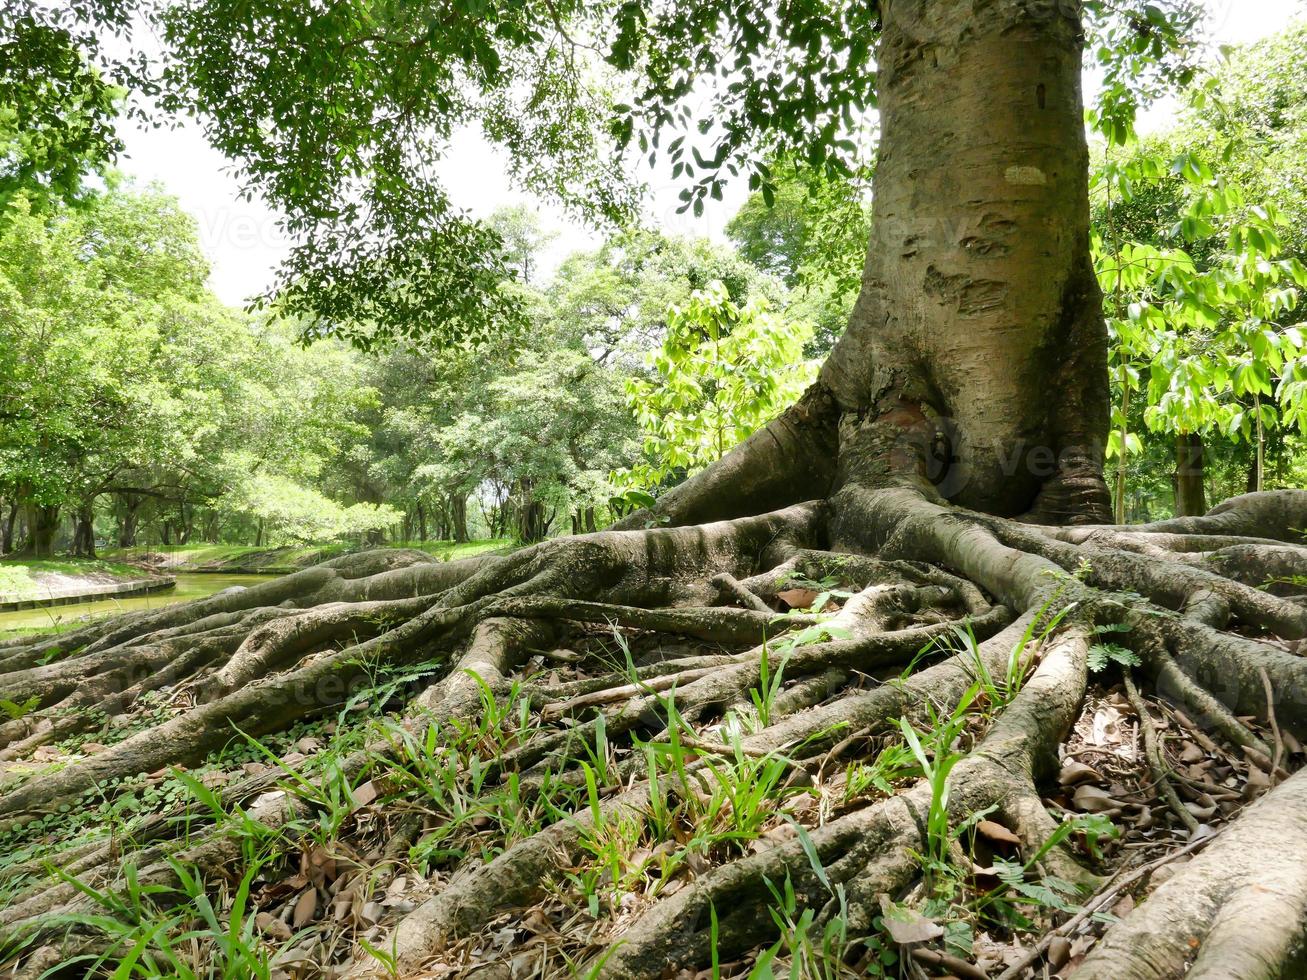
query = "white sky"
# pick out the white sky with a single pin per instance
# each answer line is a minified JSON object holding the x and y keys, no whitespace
{"x":245,"y":247}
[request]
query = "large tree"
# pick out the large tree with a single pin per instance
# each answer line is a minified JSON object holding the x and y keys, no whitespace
{"x":937,"y":471}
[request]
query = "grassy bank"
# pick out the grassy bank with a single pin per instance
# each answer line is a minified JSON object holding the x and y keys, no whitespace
{"x":289,"y":558}
{"x":27,"y":577}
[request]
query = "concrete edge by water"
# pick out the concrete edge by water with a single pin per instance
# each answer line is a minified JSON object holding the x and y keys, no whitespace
{"x":87,"y":593}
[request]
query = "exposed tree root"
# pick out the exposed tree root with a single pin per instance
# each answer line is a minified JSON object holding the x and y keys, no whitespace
{"x":1237,"y":910}
{"x":716,"y":665}
{"x":866,"y":852}
{"x":1160,"y":775}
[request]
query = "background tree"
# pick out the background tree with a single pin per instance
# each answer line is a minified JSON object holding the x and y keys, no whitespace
{"x":811,"y":232}
{"x":722,"y":372}
{"x":519,"y":228}
{"x":1201,"y":287}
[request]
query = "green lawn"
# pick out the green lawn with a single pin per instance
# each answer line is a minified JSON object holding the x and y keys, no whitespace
{"x":290,"y":557}
{"x":21,"y":576}
{"x":449,"y":551}
{"x":206,"y":554}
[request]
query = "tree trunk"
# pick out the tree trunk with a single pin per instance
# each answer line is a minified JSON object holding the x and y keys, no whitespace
{"x":422,"y":522}
{"x":129,"y":519}
{"x":84,"y":531}
{"x":531,"y":523}
{"x":979,"y":325}
{"x":1190,"y":491}
{"x":458,"y":517}
{"x":42,"y":526}
{"x":974,"y":366}
{"x":7,"y":531}
{"x":185,"y":522}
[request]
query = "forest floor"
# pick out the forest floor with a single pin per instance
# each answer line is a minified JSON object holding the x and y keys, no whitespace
{"x":388,"y":806}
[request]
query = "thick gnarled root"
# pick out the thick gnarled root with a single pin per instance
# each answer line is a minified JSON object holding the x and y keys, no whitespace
{"x":1239,"y":909}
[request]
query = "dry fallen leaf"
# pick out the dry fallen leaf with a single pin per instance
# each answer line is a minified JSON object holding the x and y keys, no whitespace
{"x":537,"y":923}
{"x":305,"y":907}
{"x":1059,"y":951}
{"x":1075,"y":772}
{"x":1106,"y":729}
{"x":1192,"y":753}
{"x":1199,"y":811}
{"x":997,"y":832}
{"x":1093,"y":799}
{"x":797,"y":598}
{"x":1257,"y":781}
{"x":270,"y":925}
{"x":907,"y":925}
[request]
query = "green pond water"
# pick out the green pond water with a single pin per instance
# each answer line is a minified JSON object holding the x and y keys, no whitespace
{"x":189,"y":586}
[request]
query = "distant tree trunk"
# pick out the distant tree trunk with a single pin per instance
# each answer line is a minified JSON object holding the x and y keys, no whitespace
{"x":458,"y":516}
{"x":42,"y":526}
{"x":1259,"y":460}
{"x":129,"y":519}
{"x":422,"y":522}
{"x":185,"y":523}
{"x":258,"y":535}
{"x":583,"y":520}
{"x":530,"y":525}
{"x":1190,"y":492}
{"x":165,"y":532}
{"x":84,"y":530}
{"x":7,"y":532}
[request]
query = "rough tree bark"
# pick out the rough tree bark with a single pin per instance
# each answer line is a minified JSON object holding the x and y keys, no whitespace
{"x":129,"y":514}
{"x":969,"y":390}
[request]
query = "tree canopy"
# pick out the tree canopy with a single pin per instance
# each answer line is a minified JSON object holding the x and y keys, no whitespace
{"x":335,"y":115}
